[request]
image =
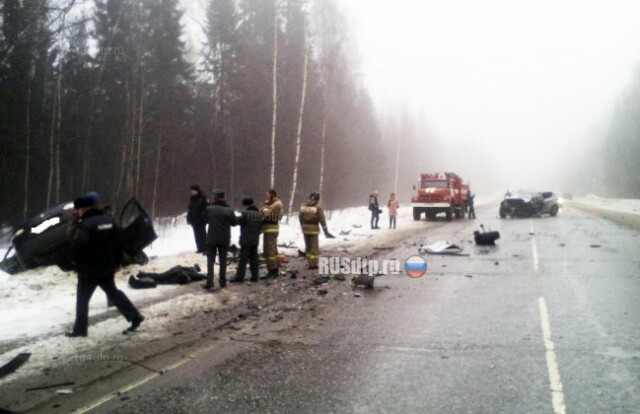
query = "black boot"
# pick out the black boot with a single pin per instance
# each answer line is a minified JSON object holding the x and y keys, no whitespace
{"x":135,"y":323}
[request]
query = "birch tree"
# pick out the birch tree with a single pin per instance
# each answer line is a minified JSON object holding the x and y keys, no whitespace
{"x":303,"y":95}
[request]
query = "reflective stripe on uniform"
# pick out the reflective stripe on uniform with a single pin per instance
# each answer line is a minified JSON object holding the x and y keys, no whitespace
{"x":270,"y":228}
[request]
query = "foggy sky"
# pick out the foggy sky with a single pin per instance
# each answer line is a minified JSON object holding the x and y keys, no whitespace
{"x":514,"y":91}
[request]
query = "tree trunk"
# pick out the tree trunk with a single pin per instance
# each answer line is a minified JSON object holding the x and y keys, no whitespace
{"x":274,"y":117}
{"x":27,"y":148}
{"x":55,"y":126}
{"x":156,"y":178}
{"x":395,"y":181}
{"x":299,"y":132}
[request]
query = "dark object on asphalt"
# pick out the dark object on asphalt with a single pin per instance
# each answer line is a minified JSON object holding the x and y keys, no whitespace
{"x":13,"y":365}
{"x":529,"y":204}
{"x":486,"y":238}
{"x":345,"y":232}
{"x":320,"y":280}
{"x":595,"y":246}
{"x":340,"y":277}
{"x":44,"y":239}
{"x":177,"y":275}
{"x":363,"y":280}
{"x":322,"y":292}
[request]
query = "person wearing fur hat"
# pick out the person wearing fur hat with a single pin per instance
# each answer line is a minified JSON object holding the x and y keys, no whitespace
{"x":97,"y":249}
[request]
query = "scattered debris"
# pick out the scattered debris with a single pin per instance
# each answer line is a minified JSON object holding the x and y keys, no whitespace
{"x":13,"y":365}
{"x":320,"y":280}
{"x":561,"y":245}
{"x":497,"y":263}
{"x":382,"y":248}
{"x":301,"y":253}
{"x":345,"y":232}
{"x":441,"y":247}
{"x":363,"y":280}
{"x":595,"y":246}
{"x":64,"y":391}
{"x":357,"y":295}
{"x":468,"y":276}
{"x":287,"y":245}
{"x":486,"y":238}
{"x":340,"y":277}
{"x":277,"y":317}
{"x":357,"y":226}
{"x":322,"y":292}
{"x":293,"y":274}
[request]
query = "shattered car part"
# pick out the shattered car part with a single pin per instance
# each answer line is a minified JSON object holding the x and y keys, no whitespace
{"x":44,"y":240}
{"x":440,"y":247}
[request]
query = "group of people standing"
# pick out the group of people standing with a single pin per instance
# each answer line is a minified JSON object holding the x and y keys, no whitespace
{"x":212,"y":224}
{"x":392,"y":204}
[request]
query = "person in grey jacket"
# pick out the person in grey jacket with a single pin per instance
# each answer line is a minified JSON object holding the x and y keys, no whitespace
{"x":250,"y":229}
{"x":219,"y":218}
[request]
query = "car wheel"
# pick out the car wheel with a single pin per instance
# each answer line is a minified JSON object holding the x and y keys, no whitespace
{"x":416,"y":214}
{"x":554,"y":210}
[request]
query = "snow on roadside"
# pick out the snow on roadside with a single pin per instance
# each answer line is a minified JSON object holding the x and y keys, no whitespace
{"x":623,"y":205}
{"x":41,"y":302}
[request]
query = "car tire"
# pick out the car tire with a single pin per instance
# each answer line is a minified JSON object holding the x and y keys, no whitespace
{"x":416,"y":214}
{"x":554,"y":210}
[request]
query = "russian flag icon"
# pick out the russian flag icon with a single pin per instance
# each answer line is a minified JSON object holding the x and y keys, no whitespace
{"x":415,"y":266}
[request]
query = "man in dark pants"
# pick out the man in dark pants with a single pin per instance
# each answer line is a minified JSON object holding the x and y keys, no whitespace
{"x":97,"y":251}
{"x":472,"y":211}
{"x":250,"y":229}
{"x":219,"y":217}
{"x":197,"y":203}
{"x":375,"y":209}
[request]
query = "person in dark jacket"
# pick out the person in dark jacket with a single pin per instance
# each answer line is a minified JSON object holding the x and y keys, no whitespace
{"x":97,"y":249}
{"x":219,"y":218}
{"x":250,"y":229}
{"x":470,"y":199}
{"x":197,"y":203}
{"x":375,"y":209}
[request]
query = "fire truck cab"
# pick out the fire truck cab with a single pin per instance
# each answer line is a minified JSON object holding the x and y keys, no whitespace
{"x":436,"y":193}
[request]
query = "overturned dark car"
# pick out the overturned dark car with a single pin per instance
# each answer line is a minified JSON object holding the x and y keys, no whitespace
{"x":529,"y":204}
{"x":45,"y":239}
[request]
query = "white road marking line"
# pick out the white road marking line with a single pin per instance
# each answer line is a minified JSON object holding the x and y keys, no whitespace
{"x":557,"y":394}
{"x":534,"y":248}
{"x":143,"y":380}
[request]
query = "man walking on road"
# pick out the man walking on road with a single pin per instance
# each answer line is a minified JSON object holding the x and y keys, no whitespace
{"x":250,"y":229}
{"x":311,"y":218}
{"x":97,"y":249}
{"x":219,"y":218}
{"x":271,"y":213}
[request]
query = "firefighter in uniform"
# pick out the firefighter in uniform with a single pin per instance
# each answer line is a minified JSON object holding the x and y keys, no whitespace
{"x":311,"y":219}
{"x":271,"y":213}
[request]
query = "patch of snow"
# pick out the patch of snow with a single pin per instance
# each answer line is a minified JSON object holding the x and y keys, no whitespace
{"x":624,"y":205}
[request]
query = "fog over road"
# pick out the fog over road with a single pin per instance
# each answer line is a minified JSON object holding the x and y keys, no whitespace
{"x":547,"y":322}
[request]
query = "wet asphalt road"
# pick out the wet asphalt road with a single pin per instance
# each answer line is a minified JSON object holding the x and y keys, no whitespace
{"x":468,"y":337}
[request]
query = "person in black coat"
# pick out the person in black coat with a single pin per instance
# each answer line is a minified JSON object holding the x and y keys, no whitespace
{"x":97,"y":249}
{"x":250,"y":229}
{"x":470,"y":201}
{"x":197,"y":203}
{"x":219,"y":218}
{"x":375,"y":209}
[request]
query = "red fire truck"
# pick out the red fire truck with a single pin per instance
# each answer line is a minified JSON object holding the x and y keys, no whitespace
{"x":440,"y":194}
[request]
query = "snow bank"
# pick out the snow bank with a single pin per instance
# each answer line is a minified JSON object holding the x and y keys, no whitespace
{"x":624,"y":205}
